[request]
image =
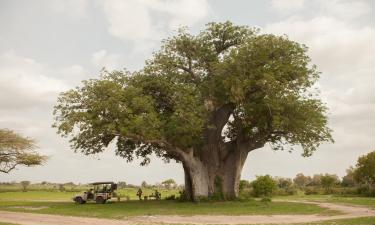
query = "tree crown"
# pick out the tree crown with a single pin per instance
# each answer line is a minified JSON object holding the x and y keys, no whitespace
{"x":17,"y":150}
{"x":249,"y":87}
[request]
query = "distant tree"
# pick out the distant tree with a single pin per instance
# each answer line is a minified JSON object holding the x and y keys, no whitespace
{"x":364,"y":173}
{"x":328,"y":181}
{"x":144,"y":184}
{"x":264,"y":186}
{"x":17,"y":150}
{"x":348,"y":180}
{"x":121,"y":184}
{"x":301,"y":180}
{"x":24,"y":185}
{"x":284,"y":183}
{"x":61,"y":187}
{"x":168,"y":184}
{"x":316,"y":180}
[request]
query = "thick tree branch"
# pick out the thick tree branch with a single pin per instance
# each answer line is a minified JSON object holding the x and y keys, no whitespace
{"x":164,"y":144}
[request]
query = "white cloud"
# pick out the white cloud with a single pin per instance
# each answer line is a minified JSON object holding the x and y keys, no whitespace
{"x":102,"y":59}
{"x":72,"y":75}
{"x":74,"y":8}
{"x":150,"y":19}
{"x":334,"y":45}
{"x":344,"y":9}
{"x":287,"y":5}
{"x":24,"y":82}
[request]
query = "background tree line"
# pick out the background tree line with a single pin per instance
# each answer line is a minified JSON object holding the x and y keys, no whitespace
{"x":358,"y":180}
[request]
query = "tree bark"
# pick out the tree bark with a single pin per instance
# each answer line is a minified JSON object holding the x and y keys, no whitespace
{"x":216,"y":167}
{"x":204,"y":178}
{"x":188,"y":184}
{"x":230,"y":171}
{"x":217,"y":175}
{"x":196,"y":177}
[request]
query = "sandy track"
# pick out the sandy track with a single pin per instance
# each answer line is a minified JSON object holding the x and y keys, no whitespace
{"x":42,"y":219}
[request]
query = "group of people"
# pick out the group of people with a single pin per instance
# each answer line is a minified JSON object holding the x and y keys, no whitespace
{"x":156,"y":195}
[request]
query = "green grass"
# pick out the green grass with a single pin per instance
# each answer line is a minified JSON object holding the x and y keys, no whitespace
{"x":361,"y":201}
{"x":60,"y":203}
{"x":67,"y":196}
{"x":3,"y":223}
{"x":137,"y":208}
{"x":36,"y":196}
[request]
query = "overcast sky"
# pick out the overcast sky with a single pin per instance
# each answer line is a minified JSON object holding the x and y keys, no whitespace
{"x":49,"y":46}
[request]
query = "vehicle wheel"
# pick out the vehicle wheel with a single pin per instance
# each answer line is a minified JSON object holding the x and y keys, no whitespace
{"x":100,"y":200}
{"x":79,"y":200}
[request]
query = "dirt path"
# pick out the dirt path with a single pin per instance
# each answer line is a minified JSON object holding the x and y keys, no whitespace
{"x":42,"y":219}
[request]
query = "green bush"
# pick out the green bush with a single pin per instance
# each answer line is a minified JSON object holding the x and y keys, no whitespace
{"x":286,"y":191}
{"x":313,"y":191}
{"x":171,"y":197}
{"x":263,"y":186}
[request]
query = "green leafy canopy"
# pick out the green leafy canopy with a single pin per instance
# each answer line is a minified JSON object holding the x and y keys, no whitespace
{"x":265,"y":81}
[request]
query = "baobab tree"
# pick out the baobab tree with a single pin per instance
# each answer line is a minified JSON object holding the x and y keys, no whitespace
{"x":204,"y":100}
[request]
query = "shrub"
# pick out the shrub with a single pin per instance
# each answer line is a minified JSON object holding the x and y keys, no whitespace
{"x":183,"y":197}
{"x":263,"y":186}
{"x":313,"y":191}
{"x":24,"y":185}
{"x":171,"y":197}
{"x":243,"y":185}
{"x":286,"y":191}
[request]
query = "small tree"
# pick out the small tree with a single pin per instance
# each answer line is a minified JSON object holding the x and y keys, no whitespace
{"x":17,"y":150}
{"x":121,"y":184}
{"x":364,"y":172}
{"x":284,"y":183}
{"x":301,"y":180}
{"x":328,"y":181}
{"x":144,"y":184}
{"x":264,"y":186}
{"x":24,"y":185}
{"x":316,"y":180}
{"x":168,"y":184}
{"x":61,"y":187}
{"x":348,"y":179}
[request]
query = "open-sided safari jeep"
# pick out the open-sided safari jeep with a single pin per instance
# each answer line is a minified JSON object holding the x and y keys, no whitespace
{"x":100,"y":193}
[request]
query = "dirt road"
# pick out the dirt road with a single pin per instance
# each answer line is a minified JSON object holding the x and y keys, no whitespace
{"x":42,"y":219}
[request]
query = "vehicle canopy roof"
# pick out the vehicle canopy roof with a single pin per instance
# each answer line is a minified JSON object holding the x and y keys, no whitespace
{"x":98,"y":183}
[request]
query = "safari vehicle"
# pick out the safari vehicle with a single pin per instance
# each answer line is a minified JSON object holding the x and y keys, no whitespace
{"x":100,"y":193}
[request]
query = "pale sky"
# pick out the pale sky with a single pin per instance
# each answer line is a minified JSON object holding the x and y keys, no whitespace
{"x":49,"y":46}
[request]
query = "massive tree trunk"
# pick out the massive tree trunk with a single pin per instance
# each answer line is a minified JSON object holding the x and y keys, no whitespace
{"x":230,"y":172}
{"x":216,"y":171}
{"x":216,"y":168}
{"x":207,"y":178}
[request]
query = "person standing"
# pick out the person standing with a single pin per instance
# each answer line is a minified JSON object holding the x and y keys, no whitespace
{"x":139,"y":193}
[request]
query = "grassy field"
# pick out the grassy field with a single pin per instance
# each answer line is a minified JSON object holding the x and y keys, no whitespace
{"x":362,"y":201}
{"x":67,"y":196}
{"x":60,"y":203}
{"x":137,"y":208}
